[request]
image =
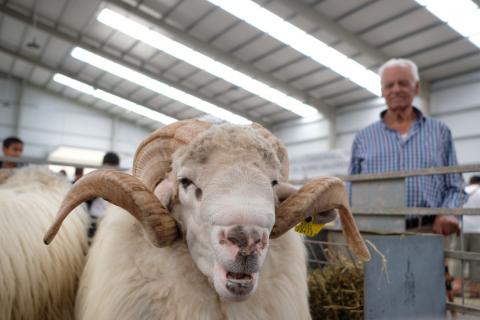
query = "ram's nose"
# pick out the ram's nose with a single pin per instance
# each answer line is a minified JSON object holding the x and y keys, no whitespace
{"x":244,"y":240}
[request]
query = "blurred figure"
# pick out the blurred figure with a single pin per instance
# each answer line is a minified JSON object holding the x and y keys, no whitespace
{"x":404,"y":139}
{"x":78,"y":174}
{"x":98,"y":206}
{"x":63,"y":172}
{"x":471,"y":230}
{"x":111,"y":159}
{"x":12,"y":147}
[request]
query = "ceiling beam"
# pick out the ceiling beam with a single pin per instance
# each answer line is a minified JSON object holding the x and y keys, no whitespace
{"x":328,"y":24}
{"x":77,"y":41}
{"x":35,"y":64}
{"x":229,"y":60}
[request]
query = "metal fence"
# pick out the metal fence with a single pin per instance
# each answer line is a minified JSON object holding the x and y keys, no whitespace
{"x":378,"y":203}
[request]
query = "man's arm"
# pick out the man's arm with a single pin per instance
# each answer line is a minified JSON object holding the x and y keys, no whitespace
{"x":355,"y":166}
{"x":454,"y":195}
{"x":355,"y":159}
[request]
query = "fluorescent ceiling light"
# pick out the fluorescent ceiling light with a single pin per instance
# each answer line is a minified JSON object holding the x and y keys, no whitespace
{"x":156,"y":86}
{"x":301,"y":41}
{"x":105,"y":96}
{"x":201,"y":61}
{"x":476,"y":40}
{"x":461,"y":15}
{"x":76,"y":156}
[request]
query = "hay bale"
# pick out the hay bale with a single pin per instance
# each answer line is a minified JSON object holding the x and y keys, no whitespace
{"x":336,"y":290}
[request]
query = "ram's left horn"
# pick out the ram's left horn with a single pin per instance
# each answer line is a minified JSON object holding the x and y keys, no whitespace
{"x":316,"y":196}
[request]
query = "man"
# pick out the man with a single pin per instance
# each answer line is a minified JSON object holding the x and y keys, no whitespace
{"x":403,"y":140}
{"x":98,"y":206}
{"x":12,"y":147}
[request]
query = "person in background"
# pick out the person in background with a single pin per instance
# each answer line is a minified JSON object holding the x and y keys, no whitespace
{"x":404,"y":139}
{"x":78,"y":174}
{"x":12,"y":147}
{"x":98,"y":206}
{"x":471,"y":232}
{"x":111,"y":160}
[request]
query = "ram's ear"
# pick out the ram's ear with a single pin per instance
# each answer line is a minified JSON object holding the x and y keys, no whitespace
{"x":285,"y":190}
{"x":166,"y":191}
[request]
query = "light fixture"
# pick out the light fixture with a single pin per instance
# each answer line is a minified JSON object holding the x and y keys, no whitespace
{"x":110,"y":98}
{"x":201,"y":61}
{"x":301,"y":41}
{"x":76,"y":156}
{"x":156,"y":86}
{"x":461,"y":15}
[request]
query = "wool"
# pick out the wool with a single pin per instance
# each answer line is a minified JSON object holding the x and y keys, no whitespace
{"x":38,"y":282}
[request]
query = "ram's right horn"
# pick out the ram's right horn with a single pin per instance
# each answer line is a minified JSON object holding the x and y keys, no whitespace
{"x":125,"y":191}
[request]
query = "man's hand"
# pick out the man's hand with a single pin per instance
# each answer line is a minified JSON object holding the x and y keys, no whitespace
{"x":446,"y":225}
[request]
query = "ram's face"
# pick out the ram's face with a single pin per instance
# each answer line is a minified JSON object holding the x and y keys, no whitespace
{"x":226,"y":209}
{"x":218,"y":185}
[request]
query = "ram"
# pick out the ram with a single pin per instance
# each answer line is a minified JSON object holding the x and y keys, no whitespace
{"x":36,"y":283}
{"x":209,"y":237}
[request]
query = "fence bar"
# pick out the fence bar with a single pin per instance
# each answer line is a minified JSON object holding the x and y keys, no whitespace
{"x":406,"y":174}
{"x":402,"y":174}
{"x":462,"y":255}
{"x":416,"y":211}
{"x":463,"y":309}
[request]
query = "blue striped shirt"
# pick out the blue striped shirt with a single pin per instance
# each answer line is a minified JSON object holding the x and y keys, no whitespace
{"x":377,"y":148}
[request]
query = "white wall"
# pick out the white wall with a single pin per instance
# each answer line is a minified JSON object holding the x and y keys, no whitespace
{"x":455,"y":101}
{"x":45,"y":121}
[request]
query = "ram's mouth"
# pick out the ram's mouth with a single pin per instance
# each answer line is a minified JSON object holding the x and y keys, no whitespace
{"x":234,"y":286}
{"x":239,"y":283}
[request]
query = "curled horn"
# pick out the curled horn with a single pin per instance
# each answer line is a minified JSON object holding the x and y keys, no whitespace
{"x":135,"y":193}
{"x":153,"y":158}
{"x":317,"y":196}
{"x":125,"y":191}
{"x":320,"y":195}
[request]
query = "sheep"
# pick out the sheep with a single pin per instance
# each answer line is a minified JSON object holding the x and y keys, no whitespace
{"x":5,"y":174}
{"x":37,"y":283}
{"x":207,"y":203}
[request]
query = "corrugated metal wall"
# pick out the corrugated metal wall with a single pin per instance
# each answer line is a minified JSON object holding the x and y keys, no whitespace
{"x":45,"y":121}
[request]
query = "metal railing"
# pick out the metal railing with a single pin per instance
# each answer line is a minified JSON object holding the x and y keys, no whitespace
{"x":398,"y":210}
{"x":42,"y":161}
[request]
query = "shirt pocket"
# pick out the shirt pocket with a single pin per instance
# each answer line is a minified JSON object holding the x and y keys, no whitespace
{"x":430,"y":154}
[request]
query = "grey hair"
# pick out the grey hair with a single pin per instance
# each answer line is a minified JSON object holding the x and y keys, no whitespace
{"x":400,"y":63}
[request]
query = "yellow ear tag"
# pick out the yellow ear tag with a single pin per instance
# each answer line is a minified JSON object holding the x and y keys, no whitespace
{"x":310,"y":228}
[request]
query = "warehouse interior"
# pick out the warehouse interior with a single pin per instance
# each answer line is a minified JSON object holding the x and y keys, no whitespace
{"x":37,"y":39}
{"x":79,"y":78}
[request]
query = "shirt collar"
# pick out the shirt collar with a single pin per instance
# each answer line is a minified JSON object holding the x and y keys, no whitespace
{"x":420,"y":117}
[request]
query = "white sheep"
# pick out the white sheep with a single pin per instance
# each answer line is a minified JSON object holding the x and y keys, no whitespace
{"x":37,"y":282}
{"x":206,"y":213}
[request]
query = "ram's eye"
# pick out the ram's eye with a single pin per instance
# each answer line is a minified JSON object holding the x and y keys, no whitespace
{"x":274,"y":183}
{"x":185,"y":182}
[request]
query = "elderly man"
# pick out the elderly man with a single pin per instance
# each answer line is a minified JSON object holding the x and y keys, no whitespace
{"x":12,"y":147}
{"x":405,"y":139}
